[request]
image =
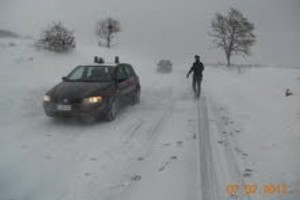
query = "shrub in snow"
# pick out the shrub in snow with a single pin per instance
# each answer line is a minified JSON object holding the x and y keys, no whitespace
{"x":56,"y":37}
{"x":8,"y":34}
{"x":164,"y":66}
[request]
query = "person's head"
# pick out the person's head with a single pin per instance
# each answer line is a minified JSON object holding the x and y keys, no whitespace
{"x":197,"y":58}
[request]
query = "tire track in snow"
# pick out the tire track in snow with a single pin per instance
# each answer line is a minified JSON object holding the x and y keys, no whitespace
{"x":208,"y":180}
{"x":209,"y":165}
{"x":231,"y":149}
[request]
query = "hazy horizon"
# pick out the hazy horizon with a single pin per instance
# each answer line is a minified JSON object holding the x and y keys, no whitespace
{"x":166,"y":29}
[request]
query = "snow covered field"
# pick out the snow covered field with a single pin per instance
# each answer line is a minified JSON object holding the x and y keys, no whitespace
{"x":258,"y":127}
{"x":170,"y":146}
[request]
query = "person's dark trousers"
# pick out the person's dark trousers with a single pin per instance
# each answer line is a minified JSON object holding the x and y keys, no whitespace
{"x":197,"y":84}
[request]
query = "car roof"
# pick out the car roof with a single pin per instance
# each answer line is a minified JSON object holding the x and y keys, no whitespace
{"x":104,"y":64}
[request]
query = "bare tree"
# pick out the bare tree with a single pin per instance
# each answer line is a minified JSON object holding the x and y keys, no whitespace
{"x":106,"y":29}
{"x":233,"y":33}
{"x":56,"y":37}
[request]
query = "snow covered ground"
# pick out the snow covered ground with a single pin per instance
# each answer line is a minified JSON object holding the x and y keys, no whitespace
{"x":148,"y":152}
{"x":257,"y":127}
{"x":170,"y":146}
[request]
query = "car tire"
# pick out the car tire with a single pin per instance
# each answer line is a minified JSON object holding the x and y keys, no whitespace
{"x":112,"y":110}
{"x":136,"y":96}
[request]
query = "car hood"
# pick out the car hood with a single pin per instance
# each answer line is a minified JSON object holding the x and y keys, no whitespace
{"x":72,"y":90}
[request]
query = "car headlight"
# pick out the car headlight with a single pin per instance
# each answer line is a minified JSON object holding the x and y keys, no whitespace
{"x":91,"y":100}
{"x":47,"y":98}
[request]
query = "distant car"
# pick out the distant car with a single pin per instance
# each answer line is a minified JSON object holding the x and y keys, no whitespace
{"x":164,"y":66}
{"x":93,"y":90}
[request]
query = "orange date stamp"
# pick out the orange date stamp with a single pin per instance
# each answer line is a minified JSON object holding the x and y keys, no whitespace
{"x":250,"y":189}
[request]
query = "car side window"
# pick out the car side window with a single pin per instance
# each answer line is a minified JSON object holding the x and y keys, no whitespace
{"x":129,"y":70}
{"x":121,"y":74}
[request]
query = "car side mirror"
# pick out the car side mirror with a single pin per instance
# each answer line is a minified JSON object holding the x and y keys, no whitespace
{"x":64,"y":78}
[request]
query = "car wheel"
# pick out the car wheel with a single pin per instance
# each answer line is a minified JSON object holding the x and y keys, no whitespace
{"x":113,"y":108}
{"x":136,"y":97}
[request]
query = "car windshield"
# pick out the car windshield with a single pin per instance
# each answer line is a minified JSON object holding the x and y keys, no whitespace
{"x":91,"y":74}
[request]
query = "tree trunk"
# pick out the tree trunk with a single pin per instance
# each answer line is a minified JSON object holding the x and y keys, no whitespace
{"x":108,"y":41}
{"x":228,"y":57}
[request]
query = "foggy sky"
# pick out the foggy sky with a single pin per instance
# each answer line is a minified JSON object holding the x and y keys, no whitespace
{"x":175,"y":29}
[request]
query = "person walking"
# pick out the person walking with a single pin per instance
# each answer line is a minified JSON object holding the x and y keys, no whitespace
{"x":197,"y":69}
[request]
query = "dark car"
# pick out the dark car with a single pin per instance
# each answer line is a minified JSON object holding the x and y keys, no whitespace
{"x":93,"y":90}
{"x":164,"y":66}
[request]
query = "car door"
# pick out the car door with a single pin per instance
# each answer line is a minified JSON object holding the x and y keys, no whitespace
{"x":122,"y":79}
{"x":132,"y":82}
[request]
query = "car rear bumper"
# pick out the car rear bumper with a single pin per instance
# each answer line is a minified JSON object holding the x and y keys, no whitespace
{"x":76,"y":110}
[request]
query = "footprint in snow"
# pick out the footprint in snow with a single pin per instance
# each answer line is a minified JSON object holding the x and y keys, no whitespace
{"x":191,"y":136}
{"x":245,"y":154}
{"x":240,"y":151}
{"x":221,"y":141}
{"x":136,"y":178}
{"x":87,"y":174}
{"x":164,"y":166}
{"x":247,"y":172}
{"x":127,"y":183}
{"x":93,"y":159}
{"x":224,"y":118}
{"x":140,"y":158}
{"x":173,"y":157}
{"x":179,"y":143}
{"x":194,"y":136}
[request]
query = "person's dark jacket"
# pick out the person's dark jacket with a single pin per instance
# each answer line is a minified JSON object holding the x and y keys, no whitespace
{"x":197,"y":69}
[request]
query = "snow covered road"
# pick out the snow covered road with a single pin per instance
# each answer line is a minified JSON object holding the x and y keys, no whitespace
{"x":148,"y":152}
